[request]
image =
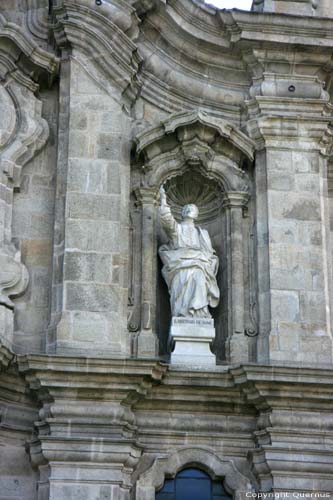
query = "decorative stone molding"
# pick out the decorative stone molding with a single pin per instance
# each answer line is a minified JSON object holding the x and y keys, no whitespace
{"x":184,"y":120}
{"x":293,"y":7}
{"x":110,"y":447}
{"x":280,"y":392}
{"x":188,"y":82}
{"x":102,"y":42}
{"x":38,"y":56}
{"x":194,"y":139}
{"x":194,"y":188}
{"x":6,"y":356}
{"x":167,"y":467}
{"x":263,"y":27}
{"x":37,"y":19}
{"x":14,"y":277}
{"x":31,"y":134}
{"x":235,"y":199}
{"x":280,"y":413}
{"x":273,"y":121}
{"x":290,"y":86}
{"x":23,"y":132}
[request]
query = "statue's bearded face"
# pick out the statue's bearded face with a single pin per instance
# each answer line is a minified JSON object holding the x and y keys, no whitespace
{"x":190,"y":211}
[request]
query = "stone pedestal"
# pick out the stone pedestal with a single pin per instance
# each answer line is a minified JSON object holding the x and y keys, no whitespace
{"x":190,"y":340}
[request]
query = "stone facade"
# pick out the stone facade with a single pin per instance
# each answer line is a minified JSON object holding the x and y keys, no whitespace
{"x":102,"y":103}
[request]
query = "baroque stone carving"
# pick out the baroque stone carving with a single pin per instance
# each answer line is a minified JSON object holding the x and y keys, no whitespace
{"x":118,"y":62}
{"x":14,"y":276}
{"x":167,"y":466}
{"x":193,"y":187}
{"x":23,"y":132}
{"x":189,"y":263}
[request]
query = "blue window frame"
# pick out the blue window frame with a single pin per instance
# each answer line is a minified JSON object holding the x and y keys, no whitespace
{"x":192,"y":484}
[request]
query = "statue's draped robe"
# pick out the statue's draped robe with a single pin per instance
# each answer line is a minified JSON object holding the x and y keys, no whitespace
{"x":189,"y":267}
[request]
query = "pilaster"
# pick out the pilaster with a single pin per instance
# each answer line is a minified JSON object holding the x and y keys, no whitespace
{"x":147,"y":342}
{"x":234,"y":204}
{"x":294,"y":262}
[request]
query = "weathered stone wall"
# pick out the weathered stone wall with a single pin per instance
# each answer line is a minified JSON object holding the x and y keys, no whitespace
{"x":96,"y":220}
{"x":101,"y":105}
{"x":301,"y":325}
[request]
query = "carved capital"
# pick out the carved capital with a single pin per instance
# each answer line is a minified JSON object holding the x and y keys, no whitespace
{"x":305,"y":122}
{"x":146,"y":196}
{"x":235,"y":199}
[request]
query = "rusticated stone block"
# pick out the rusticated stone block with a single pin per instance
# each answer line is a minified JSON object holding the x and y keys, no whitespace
{"x":87,"y":235}
{"x":91,"y":297}
{"x":78,"y":120}
{"x":88,"y":176}
{"x":93,"y":206}
{"x":285,"y":305}
{"x":88,"y":267}
{"x":108,"y":146}
{"x":89,"y":326}
{"x":294,"y":206}
{"x":78,"y":145}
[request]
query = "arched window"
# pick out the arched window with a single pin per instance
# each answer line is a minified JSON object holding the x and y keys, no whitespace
{"x":192,"y":484}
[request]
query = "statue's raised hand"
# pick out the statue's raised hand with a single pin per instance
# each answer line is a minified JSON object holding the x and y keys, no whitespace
{"x":163,"y":198}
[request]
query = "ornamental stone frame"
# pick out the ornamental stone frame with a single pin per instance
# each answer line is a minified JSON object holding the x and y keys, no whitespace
{"x":235,"y":482}
{"x":23,"y":132}
{"x":221,"y":153}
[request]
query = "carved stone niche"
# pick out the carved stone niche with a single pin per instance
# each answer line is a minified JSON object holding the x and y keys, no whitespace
{"x":207,"y":162}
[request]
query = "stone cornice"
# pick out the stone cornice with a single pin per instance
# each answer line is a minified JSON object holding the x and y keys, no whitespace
{"x":265,"y":412}
{"x":146,"y":48}
{"x":213,"y":76}
{"x":279,"y":386}
{"x":125,"y":380}
{"x":285,"y":386}
{"x":38,"y":56}
{"x":102,"y":41}
{"x":277,"y":28}
{"x":273,"y":122}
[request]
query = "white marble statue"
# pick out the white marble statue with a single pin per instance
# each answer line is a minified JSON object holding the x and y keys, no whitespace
{"x":189,"y":263}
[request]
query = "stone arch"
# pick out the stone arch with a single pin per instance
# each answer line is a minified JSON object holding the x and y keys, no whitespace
{"x":235,"y":482}
{"x":194,"y":140}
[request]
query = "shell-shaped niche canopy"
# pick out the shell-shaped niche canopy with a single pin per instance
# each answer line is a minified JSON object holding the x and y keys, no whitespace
{"x":193,"y":187}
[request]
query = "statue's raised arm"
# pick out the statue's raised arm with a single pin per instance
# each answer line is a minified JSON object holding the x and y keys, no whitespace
{"x":167,"y":220}
{"x":163,"y":198}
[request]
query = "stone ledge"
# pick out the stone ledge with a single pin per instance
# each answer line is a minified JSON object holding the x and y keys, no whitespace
{"x":6,"y":356}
